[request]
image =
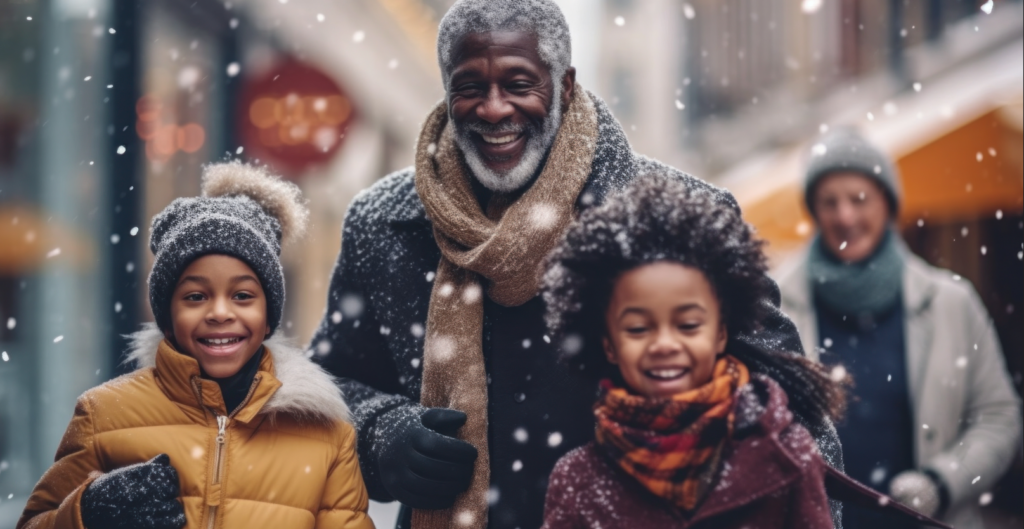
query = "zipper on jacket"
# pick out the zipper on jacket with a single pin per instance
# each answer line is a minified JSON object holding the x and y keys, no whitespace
{"x":221,"y":442}
{"x":218,"y":462}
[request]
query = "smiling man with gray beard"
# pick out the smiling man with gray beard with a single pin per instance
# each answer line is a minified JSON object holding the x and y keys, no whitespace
{"x":433,"y":322}
{"x":509,"y":172}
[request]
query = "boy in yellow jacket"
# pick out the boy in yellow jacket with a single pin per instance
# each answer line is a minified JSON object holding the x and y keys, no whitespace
{"x":221,"y":426}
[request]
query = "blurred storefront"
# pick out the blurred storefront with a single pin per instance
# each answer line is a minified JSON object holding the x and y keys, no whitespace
{"x":55,"y":302}
{"x":950,"y":115}
{"x":108,"y":111}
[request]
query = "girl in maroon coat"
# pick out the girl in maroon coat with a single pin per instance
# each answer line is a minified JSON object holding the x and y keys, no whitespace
{"x":694,"y":430}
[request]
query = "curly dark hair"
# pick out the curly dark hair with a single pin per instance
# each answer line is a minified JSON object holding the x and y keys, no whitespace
{"x":661,"y":218}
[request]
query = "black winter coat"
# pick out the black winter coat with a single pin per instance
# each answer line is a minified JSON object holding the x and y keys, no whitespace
{"x":372,"y":337}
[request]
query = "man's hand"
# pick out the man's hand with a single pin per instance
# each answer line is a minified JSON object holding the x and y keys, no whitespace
{"x":141,"y":496}
{"x":423,"y":465}
{"x":917,"y":491}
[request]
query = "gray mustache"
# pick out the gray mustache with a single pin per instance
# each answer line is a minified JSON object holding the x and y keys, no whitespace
{"x":498,"y":128}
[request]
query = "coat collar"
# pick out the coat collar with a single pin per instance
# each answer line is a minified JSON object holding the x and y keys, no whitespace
{"x":287,"y":382}
{"x":762,"y":413}
{"x":918,"y":283}
{"x":920,"y":286}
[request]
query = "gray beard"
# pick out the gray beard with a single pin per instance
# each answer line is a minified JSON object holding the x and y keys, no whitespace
{"x":537,"y":144}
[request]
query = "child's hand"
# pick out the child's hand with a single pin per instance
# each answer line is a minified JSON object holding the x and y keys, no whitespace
{"x":141,"y":496}
{"x":425,"y":466}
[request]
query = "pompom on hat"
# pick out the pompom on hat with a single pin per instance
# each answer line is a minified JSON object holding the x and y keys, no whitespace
{"x":244,"y":212}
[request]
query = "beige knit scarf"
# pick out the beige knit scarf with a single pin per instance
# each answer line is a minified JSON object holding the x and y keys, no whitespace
{"x":497,"y":252}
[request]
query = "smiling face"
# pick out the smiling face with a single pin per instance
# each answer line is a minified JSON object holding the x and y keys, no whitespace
{"x":664,"y":329}
{"x":505,"y":106}
{"x":852,"y":213}
{"x":219,"y":314}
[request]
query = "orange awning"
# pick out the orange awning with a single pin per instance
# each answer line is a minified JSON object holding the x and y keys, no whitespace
{"x":956,"y":139}
{"x":971,"y":170}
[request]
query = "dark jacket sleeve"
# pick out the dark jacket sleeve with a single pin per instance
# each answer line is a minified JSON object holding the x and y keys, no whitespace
{"x":348,"y":344}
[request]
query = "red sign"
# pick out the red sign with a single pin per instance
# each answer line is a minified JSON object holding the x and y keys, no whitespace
{"x":293,"y":117}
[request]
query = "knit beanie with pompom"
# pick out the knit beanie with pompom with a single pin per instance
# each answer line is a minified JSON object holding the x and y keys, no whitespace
{"x":244,"y":212}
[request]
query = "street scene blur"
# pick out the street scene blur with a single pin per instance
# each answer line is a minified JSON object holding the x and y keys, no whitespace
{"x":883,"y":132}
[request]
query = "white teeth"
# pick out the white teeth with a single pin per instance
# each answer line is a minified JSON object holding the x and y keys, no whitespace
{"x":666,"y":373}
{"x":499,"y":140}
{"x":221,"y":341}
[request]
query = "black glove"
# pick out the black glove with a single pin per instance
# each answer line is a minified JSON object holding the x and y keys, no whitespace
{"x":423,"y":465}
{"x":140,"y":496}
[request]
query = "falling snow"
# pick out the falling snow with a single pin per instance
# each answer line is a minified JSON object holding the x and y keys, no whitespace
{"x":810,"y":6}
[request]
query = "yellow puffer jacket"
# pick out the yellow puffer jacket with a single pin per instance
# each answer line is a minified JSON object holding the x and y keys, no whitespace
{"x":285,"y":459}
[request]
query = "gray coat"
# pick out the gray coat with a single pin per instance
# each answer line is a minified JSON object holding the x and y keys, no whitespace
{"x":967,"y":415}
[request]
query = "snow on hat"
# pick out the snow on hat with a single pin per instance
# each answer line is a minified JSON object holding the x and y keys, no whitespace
{"x":845,"y":150}
{"x":244,"y":212}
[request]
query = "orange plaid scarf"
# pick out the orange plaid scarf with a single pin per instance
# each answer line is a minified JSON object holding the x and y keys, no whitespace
{"x":673,"y":447}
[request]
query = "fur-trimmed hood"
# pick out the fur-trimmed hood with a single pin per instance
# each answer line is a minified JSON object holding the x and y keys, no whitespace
{"x":306,"y":391}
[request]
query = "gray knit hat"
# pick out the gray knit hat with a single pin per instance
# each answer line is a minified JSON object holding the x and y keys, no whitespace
{"x":244,"y":212}
{"x":846,"y":150}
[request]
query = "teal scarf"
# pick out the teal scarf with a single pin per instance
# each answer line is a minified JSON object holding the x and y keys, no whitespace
{"x":869,"y":287}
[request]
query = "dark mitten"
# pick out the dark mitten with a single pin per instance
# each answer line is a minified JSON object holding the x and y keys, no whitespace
{"x":423,"y":465}
{"x":140,"y":496}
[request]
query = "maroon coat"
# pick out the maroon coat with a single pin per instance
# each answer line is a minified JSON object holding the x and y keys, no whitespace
{"x":771,"y":477}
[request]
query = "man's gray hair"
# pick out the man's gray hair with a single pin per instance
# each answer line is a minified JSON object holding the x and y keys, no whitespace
{"x":541,"y":17}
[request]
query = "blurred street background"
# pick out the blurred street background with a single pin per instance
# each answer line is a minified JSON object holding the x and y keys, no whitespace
{"x":109,"y":109}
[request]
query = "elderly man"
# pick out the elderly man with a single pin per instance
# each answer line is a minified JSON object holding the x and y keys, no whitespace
{"x":433,"y":323}
{"x":935,"y":421}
